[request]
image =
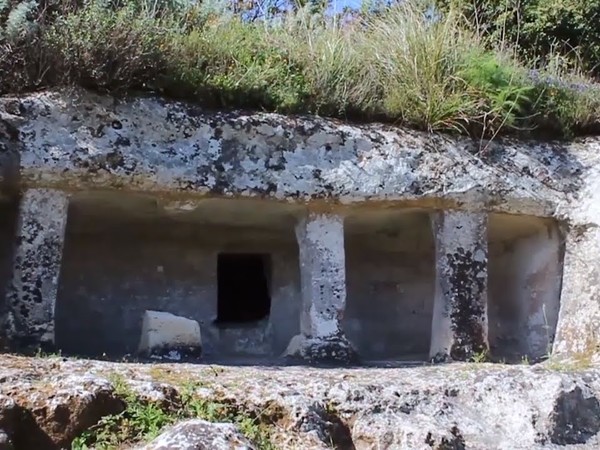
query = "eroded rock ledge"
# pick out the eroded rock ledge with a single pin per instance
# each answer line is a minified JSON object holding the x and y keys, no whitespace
{"x":75,"y":139}
{"x":47,"y":402}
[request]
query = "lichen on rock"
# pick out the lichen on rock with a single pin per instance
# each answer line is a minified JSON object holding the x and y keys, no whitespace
{"x":46,"y":402}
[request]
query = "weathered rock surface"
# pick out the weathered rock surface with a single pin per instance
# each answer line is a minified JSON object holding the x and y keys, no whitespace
{"x":77,"y":140}
{"x":74,"y":141}
{"x":199,"y":434}
{"x":47,"y":410}
{"x":165,"y":334}
{"x":46,"y":402}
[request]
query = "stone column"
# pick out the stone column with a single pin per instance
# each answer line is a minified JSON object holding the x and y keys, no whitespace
{"x":323,"y":283}
{"x":31,"y":296}
{"x":460,"y":323}
{"x":578,"y":329}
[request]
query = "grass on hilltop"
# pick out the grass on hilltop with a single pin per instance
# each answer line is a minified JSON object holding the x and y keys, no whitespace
{"x":396,"y":65}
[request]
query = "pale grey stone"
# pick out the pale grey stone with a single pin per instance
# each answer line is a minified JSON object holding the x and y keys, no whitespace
{"x":32,"y":292}
{"x":168,"y":335}
{"x":197,"y":434}
{"x":79,"y":140}
{"x":75,"y":141}
{"x":323,"y":283}
{"x":460,"y":321}
{"x":481,"y":406}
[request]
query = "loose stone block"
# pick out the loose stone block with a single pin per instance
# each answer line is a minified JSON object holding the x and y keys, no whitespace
{"x":323,"y":283}
{"x":166,"y":334}
{"x":460,"y":323}
{"x":31,"y":295}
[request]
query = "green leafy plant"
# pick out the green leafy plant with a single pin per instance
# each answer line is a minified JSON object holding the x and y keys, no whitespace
{"x":17,"y":19}
{"x":143,"y":420}
{"x":537,"y":28}
{"x":480,"y":357}
{"x":501,"y":86}
{"x":109,"y":49}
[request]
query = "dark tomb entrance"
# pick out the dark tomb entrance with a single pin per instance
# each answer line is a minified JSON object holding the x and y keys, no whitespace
{"x":243,"y":288}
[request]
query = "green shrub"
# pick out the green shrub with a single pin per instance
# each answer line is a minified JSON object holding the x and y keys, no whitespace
{"x":143,"y":421}
{"x":108,"y":49}
{"x":16,"y":19}
{"x":502,"y":88}
{"x":22,"y":62}
{"x":538,"y":27}
{"x":230,"y":63}
{"x":565,"y":106}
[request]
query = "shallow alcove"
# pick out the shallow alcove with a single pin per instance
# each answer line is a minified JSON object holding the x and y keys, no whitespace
{"x":525,"y":275}
{"x":390,"y":271}
{"x":127,"y":254}
{"x":8,"y":223}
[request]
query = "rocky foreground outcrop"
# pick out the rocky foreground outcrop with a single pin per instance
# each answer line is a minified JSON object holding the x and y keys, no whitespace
{"x":47,"y":402}
{"x":200,"y":434}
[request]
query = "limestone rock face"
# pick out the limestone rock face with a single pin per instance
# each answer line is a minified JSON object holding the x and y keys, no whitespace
{"x":45,"y":403}
{"x":199,"y":434}
{"x":165,"y":334}
{"x":48,"y":415}
{"x":76,"y":141}
{"x":79,"y":140}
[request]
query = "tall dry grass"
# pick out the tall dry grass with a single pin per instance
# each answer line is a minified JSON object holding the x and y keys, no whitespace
{"x":397,"y":65}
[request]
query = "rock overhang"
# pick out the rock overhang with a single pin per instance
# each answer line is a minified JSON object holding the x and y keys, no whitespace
{"x":80,"y":142}
{"x":76,"y":140}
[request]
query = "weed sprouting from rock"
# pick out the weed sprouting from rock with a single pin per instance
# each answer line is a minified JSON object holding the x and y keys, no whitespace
{"x":143,"y":420}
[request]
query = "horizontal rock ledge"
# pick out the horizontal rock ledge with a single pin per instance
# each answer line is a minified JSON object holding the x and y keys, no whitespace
{"x":78,"y":140}
{"x":480,"y":407}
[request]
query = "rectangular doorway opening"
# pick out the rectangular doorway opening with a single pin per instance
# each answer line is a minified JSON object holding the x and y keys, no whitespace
{"x":243,"y":288}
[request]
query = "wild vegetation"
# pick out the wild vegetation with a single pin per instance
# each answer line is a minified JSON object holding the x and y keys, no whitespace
{"x":432,"y":68}
{"x":538,"y":29}
{"x":143,"y":420}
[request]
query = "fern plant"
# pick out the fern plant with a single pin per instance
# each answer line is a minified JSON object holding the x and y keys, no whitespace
{"x":501,"y":85}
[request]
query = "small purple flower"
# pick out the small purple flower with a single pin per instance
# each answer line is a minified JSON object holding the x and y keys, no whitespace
{"x":551,"y":81}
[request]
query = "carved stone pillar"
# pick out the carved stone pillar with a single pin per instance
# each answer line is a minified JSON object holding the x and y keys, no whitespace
{"x":460,"y":323}
{"x":578,"y":329}
{"x":323,"y":283}
{"x":31,"y":296}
